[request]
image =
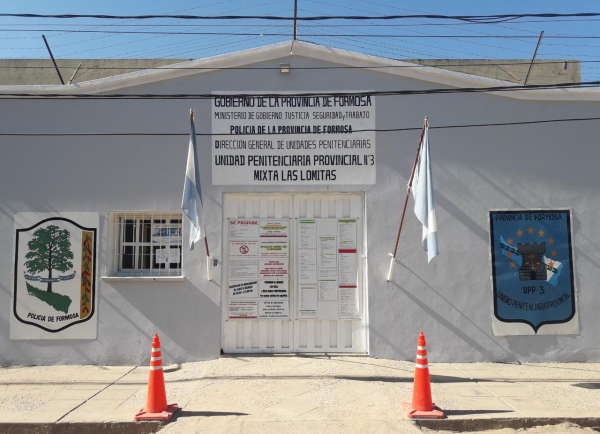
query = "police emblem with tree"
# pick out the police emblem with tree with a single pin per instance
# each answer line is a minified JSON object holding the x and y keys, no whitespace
{"x":49,"y":250}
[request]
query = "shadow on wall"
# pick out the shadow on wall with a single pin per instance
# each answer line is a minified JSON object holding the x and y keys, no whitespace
{"x":490,"y":355}
{"x":20,"y":350}
{"x":536,"y":347}
{"x":493,"y":340}
{"x":444,"y":322}
{"x":178,"y":310}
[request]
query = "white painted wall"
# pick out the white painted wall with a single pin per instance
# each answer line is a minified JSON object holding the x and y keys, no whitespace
{"x":551,"y":165}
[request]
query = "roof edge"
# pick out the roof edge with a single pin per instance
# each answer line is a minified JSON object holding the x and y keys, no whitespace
{"x":314,"y":51}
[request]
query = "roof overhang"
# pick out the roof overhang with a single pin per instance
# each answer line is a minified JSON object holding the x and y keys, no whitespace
{"x":436,"y":76}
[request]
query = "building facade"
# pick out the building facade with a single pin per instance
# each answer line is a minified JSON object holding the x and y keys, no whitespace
{"x":299,"y":225}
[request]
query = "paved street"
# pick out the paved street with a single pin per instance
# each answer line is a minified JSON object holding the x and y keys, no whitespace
{"x":300,"y":394}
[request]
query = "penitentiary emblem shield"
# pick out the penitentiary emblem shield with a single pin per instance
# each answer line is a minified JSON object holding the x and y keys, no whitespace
{"x":54,"y":278}
{"x":532,"y":272}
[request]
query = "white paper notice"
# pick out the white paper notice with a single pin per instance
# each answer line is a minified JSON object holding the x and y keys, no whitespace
{"x":308,"y":302}
{"x":259,"y":266}
{"x":243,"y":288}
{"x":274,"y":288}
{"x":273,"y":268}
{"x":243,"y":249}
{"x":348,"y":272}
{"x":308,"y":234}
{"x":274,"y":309}
{"x":167,"y":256}
{"x":327,"y":251}
{"x":274,"y":228}
{"x":243,"y":228}
{"x":243,"y":309}
{"x":328,"y":274}
{"x":307,"y":269}
{"x":347,"y":234}
{"x":274,"y":248}
{"x":328,"y":290}
{"x":243,"y":269}
{"x":348,"y":303}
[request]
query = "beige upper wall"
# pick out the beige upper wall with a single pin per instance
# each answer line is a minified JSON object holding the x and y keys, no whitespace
{"x":42,"y":72}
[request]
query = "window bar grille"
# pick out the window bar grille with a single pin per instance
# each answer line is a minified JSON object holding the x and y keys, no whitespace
{"x":142,"y":238}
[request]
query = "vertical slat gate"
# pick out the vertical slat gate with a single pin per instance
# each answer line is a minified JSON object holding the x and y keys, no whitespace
{"x":294,"y":335}
{"x":254,"y":336}
{"x":326,"y":335}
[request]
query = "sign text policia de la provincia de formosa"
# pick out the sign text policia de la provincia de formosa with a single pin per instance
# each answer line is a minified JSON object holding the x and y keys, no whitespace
{"x":262,"y":140}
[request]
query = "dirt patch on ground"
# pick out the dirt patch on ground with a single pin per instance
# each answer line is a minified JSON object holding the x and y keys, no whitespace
{"x":563,"y":428}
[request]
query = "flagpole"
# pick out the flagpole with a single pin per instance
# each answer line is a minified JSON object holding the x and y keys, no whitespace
{"x":412,"y":174}
{"x":208,"y":259}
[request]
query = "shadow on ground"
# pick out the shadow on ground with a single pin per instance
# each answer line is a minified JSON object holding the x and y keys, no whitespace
{"x":587,"y":385}
{"x":184,"y":413}
{"x":468,"y":412}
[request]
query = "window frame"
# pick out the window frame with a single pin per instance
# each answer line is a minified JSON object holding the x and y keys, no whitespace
{"x":140,"y":241}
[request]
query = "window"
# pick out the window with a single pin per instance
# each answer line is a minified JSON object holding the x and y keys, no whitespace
{"x":146,"y":244}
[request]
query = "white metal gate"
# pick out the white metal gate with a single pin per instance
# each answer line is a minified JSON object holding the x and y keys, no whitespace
{"x":294,"y":334}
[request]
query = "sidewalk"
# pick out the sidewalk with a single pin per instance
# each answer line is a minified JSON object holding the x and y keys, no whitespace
{"x":303,"y":394}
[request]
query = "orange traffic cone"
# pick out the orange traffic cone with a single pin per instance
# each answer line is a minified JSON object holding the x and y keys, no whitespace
{"x":422,"y":405}
{"x":156,"y":404}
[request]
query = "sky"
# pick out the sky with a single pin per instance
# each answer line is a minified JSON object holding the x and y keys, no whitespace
{"x":67,"y":44}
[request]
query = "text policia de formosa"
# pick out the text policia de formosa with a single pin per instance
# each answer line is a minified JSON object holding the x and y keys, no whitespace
{"x":317,"y":136}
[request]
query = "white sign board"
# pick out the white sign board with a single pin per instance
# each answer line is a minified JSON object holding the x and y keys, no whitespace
{"x":269,"y":309}
{"x":293,"y":140}
{"x":243,"y":309}
{"x":243,"y":288}
{"x":55,"y":278}
{"x":167,"y":256}
{"x":308,"y":301}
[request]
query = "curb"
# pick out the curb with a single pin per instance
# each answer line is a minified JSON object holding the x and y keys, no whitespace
{"x":81,"y":427}
{"x":500,"y":423}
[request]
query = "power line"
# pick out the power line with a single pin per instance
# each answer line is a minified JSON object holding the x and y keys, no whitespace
{"x":379,"y":130}
{"x":479,"y":18}
{"x":454,"y":39}
{"x":366,"y":35}
{"x":153,"y":37}
{"x":287,"y":25}
{"x":394,"y":43}
{"x":411,"y":31}
{"x":149,"y":96}
{"x":393,"y":48}
{"x":188,"y":42}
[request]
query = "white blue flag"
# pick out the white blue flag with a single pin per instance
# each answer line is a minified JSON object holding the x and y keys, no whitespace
{"x":422,"y":190}
{"x":191,"y":204}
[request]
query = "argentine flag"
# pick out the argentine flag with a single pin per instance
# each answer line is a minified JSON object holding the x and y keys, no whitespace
{"x":553,"y":270}
{"x":423,"y":195}
{"x":191,"y":204}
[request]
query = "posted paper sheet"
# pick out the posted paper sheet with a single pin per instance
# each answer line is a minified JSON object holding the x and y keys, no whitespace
{"x":259,"y":268}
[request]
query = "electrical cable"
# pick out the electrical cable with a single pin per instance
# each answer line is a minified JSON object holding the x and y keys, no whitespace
{"x":378,"y":130}
{"x":149,"y":96}
{"x":160,"y":34}
{"x":393,"y":48}
{"x":413,"y":42}
{"x":421,"y":33}
{"x":480,"y":18}
{"x":393,"y":44}
{"x":132,"y":32}
{"x":425,"y":24}
{"x":185,"y":43}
